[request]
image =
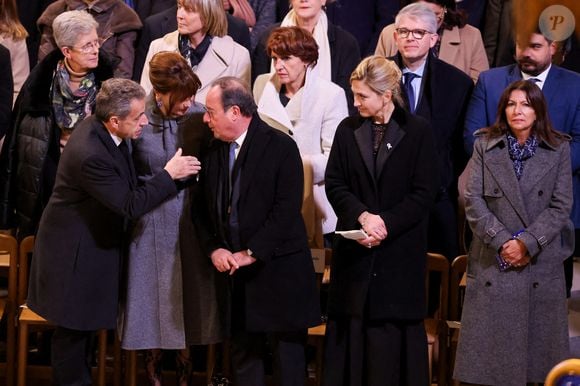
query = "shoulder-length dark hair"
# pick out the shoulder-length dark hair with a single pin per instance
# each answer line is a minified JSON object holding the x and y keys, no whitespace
{"x":542,"y":127}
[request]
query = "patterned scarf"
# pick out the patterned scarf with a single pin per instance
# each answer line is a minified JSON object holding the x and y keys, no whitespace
{"x":71,"y":107}
{"x":520,"y":153}
{"x":193,"y":55}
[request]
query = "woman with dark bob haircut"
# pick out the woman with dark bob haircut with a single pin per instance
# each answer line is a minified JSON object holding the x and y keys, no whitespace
{"x":295,"y":100}
{"x":165,"y":307}
{"x":518,"y":197}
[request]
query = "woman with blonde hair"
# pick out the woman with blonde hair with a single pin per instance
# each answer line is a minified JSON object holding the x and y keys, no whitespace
{"x":13,"y":36}
{"x":380,"y":178}
{"x":201,"y":39}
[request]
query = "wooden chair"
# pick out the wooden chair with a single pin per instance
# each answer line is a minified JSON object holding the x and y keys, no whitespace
{"x":564,"y":373}
{"x":316,"y":334}
{"x":436,"y":327}
{"x":9,"y":262}
{"x":29,"y":318}
{"x":456,"y":294}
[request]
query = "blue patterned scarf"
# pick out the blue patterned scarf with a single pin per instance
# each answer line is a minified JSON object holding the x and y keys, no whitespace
{"x":520,"y":153}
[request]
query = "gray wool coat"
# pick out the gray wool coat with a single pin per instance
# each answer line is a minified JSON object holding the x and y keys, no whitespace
{"x":514,"y":325}
{"x":172,"y":298}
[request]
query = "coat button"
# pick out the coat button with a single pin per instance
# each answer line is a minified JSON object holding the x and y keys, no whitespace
{"x":487,"y":284}
{"x":496,"y":190}
{"x":374,"y":274}
{"x":541,"y":193}
{"x":536,"y":285}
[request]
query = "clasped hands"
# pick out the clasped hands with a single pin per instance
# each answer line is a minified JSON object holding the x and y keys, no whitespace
{"x":374,"y":227}
{"x":224,"y":260}
{"x":515,"y":252}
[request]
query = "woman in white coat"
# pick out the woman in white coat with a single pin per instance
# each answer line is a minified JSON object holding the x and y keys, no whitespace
{"x":201,"y":39}
{"x":294,"y":99}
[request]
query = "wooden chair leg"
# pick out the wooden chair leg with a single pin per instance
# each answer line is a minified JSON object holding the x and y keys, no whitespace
{"x":116,"y":360}
{"x":102,"y":358}
{"x":22,"y":354}
{"x":131,"y":368}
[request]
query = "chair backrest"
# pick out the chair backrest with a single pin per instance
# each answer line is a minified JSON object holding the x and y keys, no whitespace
{"x":24,"y":255}
{"x":9,"y":249}
{"x":458,"y":268}
{"x":439,"y":263}
{"x":565,"y":373}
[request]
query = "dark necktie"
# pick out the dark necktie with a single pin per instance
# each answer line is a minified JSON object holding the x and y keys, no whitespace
{"x":409,"y":76}
{"x":130,"y":3}
{"x":234,"y":197}
{"x":232,"y":160}
{"x":534,"y":81}
{"x":125,"y":151}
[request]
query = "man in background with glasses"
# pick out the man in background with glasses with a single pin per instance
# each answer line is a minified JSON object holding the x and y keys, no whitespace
{"x":438,"y":92}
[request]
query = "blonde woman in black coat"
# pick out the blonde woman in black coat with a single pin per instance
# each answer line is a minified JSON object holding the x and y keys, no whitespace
{"x":380,"y":178}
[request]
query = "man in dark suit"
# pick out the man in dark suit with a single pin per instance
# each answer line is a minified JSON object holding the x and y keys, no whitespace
{"x":439,"y":93}
{"x":254,"y":230}
{"x":560,"y":88}
{"x":159,"y":25}
{"x":74,"y":277}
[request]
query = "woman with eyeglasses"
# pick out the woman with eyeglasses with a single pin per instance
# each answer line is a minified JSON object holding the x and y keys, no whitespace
{"x":59,"y":93}
{"x":459,"y":43}
{"x":117,"y":29}
{"x":169,"y":286}
{"x":201,"y":39}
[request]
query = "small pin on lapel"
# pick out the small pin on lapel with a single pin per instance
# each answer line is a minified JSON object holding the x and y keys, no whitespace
{"x":389,"y":146}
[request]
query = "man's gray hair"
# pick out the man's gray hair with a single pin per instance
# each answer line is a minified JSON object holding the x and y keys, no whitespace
{"x":115,"y":97}
{"x":418,"y":11}
{"x":70,"y":26}
{"x":235,"y":92}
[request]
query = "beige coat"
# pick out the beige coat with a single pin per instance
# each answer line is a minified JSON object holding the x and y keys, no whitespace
{"x":310,"y":118}
{"x":460,"y":47}
{"x":19,"y":60}
{"x":223,"y":58}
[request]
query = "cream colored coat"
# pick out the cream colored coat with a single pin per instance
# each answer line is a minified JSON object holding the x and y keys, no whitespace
{"x":460,"y":47}
{"x":223,"y":58}
{"x":19,"y":60}
{"x":310,"y":118}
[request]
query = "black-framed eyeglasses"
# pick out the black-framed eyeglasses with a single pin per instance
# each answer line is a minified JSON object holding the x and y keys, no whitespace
{"x":417,"y":33}
{"x":89,"y":47}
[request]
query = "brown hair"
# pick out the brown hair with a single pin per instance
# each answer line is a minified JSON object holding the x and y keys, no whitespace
{"x":212,"y":14}
{"x":293,"y":41}
{"x":9,"y":22}
{"x":542,"y":127}
{"x":170,"y":73}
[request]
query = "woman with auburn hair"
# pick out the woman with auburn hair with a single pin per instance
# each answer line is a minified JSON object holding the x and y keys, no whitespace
{"x":13,"y":36}
{"x":201,"y":39}
{"x":168,"y":279}
{"x":297,"y":101}
{"x":380,"y":179}
{"x":518,"y":199}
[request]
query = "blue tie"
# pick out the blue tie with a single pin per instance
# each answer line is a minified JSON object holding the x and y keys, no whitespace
{"x":231,"y":161}
{"x":130,"y":3}
{"x":409,"y":76}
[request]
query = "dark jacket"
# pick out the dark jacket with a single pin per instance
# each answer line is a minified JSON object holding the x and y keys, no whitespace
{"x":387,"y":281}
{"x":344,"y":57}
{"x":279,"y":289}
{"x":75,"y":270}
{"x":6,"y":90}
{"x":157,"y":26}
{"x":31,"y":149}
{"x":445,"y":93}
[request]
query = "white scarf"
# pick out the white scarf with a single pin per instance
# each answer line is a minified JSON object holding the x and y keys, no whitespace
{"x":320,"y":34}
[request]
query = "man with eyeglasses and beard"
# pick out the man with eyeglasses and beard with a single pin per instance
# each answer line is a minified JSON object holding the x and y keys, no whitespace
{"x":560,"y":87}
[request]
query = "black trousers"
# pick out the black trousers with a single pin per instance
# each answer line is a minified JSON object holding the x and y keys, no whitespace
{"x":289,"y":363}
{"x":71,"y":357}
